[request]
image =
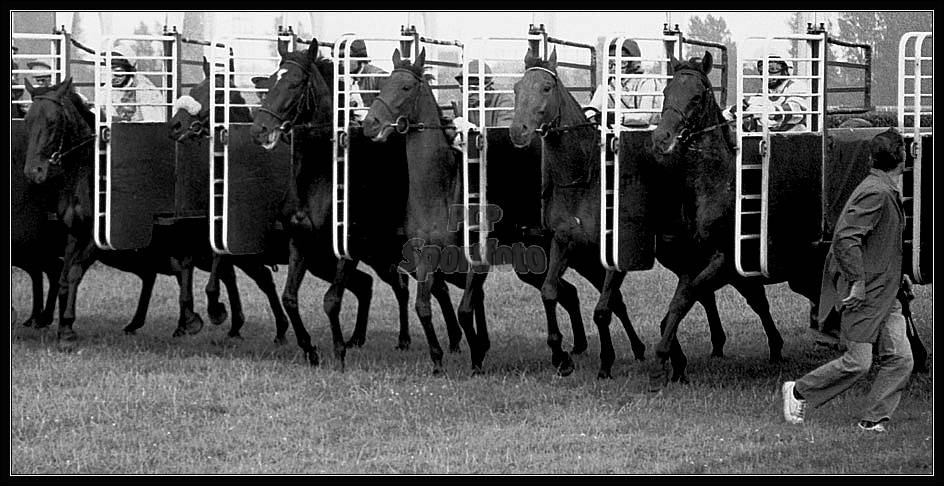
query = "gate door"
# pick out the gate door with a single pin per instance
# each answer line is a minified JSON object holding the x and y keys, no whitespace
{"x":627,"y":240}
{"x":247,"y":182}
{"x":916,"y":123}
{"x":134,"y":161}
{"x":778,"y":173}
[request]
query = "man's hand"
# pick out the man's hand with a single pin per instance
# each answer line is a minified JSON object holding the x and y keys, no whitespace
{"x":906,"y":288}
{"x":729,"y":113}
{"x":462,"y":125}
{"x":856,"y":295}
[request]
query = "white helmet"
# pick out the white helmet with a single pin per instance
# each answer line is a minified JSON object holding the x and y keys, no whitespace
{"x":778,"y":49}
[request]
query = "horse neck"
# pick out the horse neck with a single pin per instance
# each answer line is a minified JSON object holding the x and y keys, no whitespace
{"x":570,"y":153}
{"x":429,"y":153}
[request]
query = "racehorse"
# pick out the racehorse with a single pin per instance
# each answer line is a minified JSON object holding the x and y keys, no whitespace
{"x":692,"y":145}
{"x":435,"y":188}
{"x":299,"y":102}
{"x":190,"y":123}
{"x":59,"y":153}
{"x":572,"y":213}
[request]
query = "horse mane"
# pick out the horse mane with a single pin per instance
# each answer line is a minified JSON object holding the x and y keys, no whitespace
{"x":417,"y":71}
{"x":74,"y":98}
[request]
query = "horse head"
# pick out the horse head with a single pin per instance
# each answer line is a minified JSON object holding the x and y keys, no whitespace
{"x":538,"y":99}
{"x":689,"y":108}
{"x":299,"y":93}
{"x":397,"y":106}
{"x":191,"y":118}
{"x":57,"y":124}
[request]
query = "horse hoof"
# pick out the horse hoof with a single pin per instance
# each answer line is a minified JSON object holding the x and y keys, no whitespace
{"x":312,"y":357}
{"x":354,"y":342}
{"x":279,"y":340}
{"x":234,"y":337}
{"x":566,"y":366}
{"x":680,"y":377}
{"x":438,"y":371}
{"x":776,"y":358}
{"x":66,"y":340}
{"x":658,"y":378}
{"x":129,"y":332}
{"x":218,"y":315}
{"x":193,"y":325}
{"x":604,"y":375}
{"x":639,"y":353}
{"x":403,"y":346}
{"x":454,"y":347}
{"x":579,"y":348}
{"x":717,"y":354}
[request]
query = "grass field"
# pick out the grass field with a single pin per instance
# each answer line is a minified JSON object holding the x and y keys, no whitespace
{"x":153,"y":404}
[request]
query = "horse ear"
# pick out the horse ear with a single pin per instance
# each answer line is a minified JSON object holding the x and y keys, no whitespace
{"x":29,"y":86}
{"x":396,"y":58}
{"x":280,"y":48}
{"x":673,"y":63}
{"x":552,"y":61}
{"x":313,"y":54}
{"x":206,"y":68}
{"x":421,"y":59}
{"x":64,"y":87}
{"x":706,"y":63}
{"x":530,"y":59}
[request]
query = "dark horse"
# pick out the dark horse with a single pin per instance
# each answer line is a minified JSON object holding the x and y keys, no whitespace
{"x":299,"y":101}
{"x":572,"y":212}
{"x":60,"y":154}
{"x":692,"y":147}
{"x":189,"y":124}
{"x":435,"y":190}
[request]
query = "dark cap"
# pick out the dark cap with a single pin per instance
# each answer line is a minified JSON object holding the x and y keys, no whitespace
{"x":39,"y":65}
{"x":118,"y":60}
{"x":262,"y":82}
{"x":358,"y":49}
{"x":630,"y":49}
{"x":885,"y":149}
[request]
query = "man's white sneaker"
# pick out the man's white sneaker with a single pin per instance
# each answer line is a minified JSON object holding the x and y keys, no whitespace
{"x":792,"y":407}
{"x":872,"y":426}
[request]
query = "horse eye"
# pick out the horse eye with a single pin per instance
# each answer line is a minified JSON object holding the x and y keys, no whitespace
{"x":406,"y":88}
{"x":547,"y":89}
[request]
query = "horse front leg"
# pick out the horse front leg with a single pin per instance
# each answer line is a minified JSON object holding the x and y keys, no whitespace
{"x":400,"y":284}
{"x":293,"y":281}
{"x":332,"y":306}
{"x":189,"y":322}
{"x":557,"y":265}
{"x":52,"y":270}
{"x":425,"y":279}
{"x":227,"y":274}
{"x":602,"y":315}
{"x":473,"y":299}
{"x":78,"y":257}
{"x":568,"y":299}
{"x":216,"y":310}
{"x":144,"y":300}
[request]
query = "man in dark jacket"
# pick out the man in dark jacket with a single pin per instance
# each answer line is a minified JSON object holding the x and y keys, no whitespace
{"x":861,"y":278}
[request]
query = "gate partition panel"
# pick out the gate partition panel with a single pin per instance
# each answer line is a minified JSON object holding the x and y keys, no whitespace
{"x":779,"y":184}
{"x":916,"y":123}
{"x":627,"y":239}
{"x":247,"y":182}
{"x":134,"y":160}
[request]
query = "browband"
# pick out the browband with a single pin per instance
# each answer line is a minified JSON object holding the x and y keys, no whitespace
{"x":552,"y":73}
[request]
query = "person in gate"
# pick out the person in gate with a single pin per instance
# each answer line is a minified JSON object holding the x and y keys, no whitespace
{"x":17,"y":110}
{"x":861,"y":278}
{"x":651,"y":103}
{"x":134,"y":96}
{"x":787,"y":96}
{"x":493,"y":118}
{"x":367,"y":77}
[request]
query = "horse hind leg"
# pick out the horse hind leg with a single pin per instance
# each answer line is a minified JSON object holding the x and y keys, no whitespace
{"x":293,"y":281}
{"x":619,"y":309}
{"x":718,"y":337}
{"x":568,"y":299}
{"x":227,"y":273}
{"x":36,"y":281}
{"x":216,"y":310}
{"x":425,"y":280}
{"x":473,"y":307}
{"x":332,"y":307}
{"x":190,"y":322}
{"x":53,"y":270}
{"x":756,"y":298}
{"x":440,"y":291}
{"x":262,"y":276}
{"x":399,"y":283}
{"x":144,"y":299}
{"x":557,"y":265}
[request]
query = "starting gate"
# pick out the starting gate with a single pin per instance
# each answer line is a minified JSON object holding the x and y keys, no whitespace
{"x":353,"y":198}
{"x":134,"y":157}
{"x":629,"y":188}
{"x":915,"y":100}
{"x":247,"y":182}
{"x":779,"y":174}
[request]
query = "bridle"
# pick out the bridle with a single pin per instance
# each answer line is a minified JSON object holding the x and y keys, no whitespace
{"x":403,"y":124}
{"x":687,"y":133}
{"x":553,"y":127}
{"x":56,"y":158}
{"x":301,"y":107}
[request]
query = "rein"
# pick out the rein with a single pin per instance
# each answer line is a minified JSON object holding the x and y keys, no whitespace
{"x":286,"y":126}
{"x":553,"y":126}
{"x":686,"y":135}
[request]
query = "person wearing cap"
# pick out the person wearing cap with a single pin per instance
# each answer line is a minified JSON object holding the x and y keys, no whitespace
{"x":17,"y":110}
{"x":134,"y":96}
{"x":264,"y":83}
{"x":44,"y":77}
{"x":861,"y":279}
{"x":785,"y":96}
{"x":367,"y":77}
{"x":493,"y":118}
{"x":649,"y":106}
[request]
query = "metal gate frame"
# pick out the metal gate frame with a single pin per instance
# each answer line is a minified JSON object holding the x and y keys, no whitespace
{"x":914,"y":58}
{"x":817,"y":63}
{"x":102,"y":224}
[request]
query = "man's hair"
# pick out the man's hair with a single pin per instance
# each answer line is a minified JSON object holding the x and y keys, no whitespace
{"x":885,"y":150}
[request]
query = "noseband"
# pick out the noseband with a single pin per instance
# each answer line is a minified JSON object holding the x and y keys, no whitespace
{"x":554,"y":127}
{"x":56,"y":158}
{"x":285,"y":125}
{"x":687,"y":133}
{"x":403,"y":124}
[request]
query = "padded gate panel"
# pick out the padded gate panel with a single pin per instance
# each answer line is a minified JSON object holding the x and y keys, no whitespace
{"x":793,"y":204}
{"x":193,"y":178}
{"x":142,"y":181}
{"x":847,"y":164}
{"x":514,"y":185}
{"x":636,"y":231}
{"x":379,"y":184}
{"x":257,"y":181}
